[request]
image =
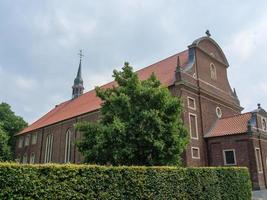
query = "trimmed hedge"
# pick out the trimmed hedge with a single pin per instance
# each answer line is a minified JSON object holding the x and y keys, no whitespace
{"x":100,"y":182}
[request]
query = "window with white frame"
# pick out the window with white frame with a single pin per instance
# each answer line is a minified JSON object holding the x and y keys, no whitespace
{"x":27,"y":140}
{"x":32,"y":158}
{"x":191,"y":103}
{"x":229,"y":157}
{"x":48,"y":148}
{"x":20,"y":145}
{"x":213,"y":74}
{"x":195,"y":153}
{"x":193,"y":126}
{"x":264,"y":125}
{"x":34,"y":138}
{"x":68,"y":146}
{"x":258,"y":159}
{"x":24,"y":159}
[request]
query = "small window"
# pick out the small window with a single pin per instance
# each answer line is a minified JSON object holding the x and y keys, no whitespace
{"x":24,"y":160}
{"x":195,"y":153}
{"x":27,"y":140}
{"x":191,"y":103}
{"x":34,"y":138}
{"x":193,"y":126}
{"x":218,"y":112}
{"x":229,"y":157}
{"x":32,"y":158}
{"x":258,"y":160}
{"x":213,"y":74}
{"x":20,"y":142}
{"x":264,"y":125}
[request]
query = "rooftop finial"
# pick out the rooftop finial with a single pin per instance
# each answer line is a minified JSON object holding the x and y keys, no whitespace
{"x":208,"y":33}
{"x":259,"y":106}
{"x":81,"y":54}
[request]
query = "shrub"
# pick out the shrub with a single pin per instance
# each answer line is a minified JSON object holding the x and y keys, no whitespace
{"x":102,"y":182}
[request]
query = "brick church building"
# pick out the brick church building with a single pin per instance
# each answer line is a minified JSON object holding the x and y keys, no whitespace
{"x":220,"y":135}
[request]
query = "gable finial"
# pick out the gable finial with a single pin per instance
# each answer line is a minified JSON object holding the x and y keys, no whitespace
{"x":81,"y":54}
{"x":259,"y":106}
{"x":208,"y":33}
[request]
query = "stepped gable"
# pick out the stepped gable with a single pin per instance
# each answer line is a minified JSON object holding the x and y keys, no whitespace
{"x":89,"y":102}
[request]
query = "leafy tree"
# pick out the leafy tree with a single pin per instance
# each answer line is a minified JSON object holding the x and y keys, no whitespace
{"x":5,"y":152}
{"x":140,"y":124}
{"x":11,"y":124}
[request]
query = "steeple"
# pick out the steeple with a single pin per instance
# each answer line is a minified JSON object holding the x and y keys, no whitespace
{"x":77,"y":88}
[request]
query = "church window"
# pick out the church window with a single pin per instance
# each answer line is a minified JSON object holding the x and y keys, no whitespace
{"x":213,"y":74}
{"x":27,"y":140}
{"x":32,"y":158}
{"x":68,"y":147}
{"x":24,"y":159}
{"x":48,"y":148}
{"x":193,"y":126}
{"x":34,"y":138}
{"x":195,"y":153}
{"x":20,"y":142}
{"x":258,"y":159}
{"x":218,"y":112}
{"x":191,"y":103}
{"x":264,"y":125}
{"x":229,"y":157}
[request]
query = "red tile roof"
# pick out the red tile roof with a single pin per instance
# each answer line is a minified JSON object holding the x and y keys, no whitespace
{"x":88,"y":102}
{"x":230,"y":126}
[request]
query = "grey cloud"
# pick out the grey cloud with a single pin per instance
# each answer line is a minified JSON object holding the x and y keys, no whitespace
{"x":40,"y":41}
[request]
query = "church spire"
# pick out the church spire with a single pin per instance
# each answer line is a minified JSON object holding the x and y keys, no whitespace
{"x":77,"y":88}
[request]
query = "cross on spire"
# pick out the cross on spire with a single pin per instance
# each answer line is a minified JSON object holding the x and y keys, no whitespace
{"x":81,"y":54}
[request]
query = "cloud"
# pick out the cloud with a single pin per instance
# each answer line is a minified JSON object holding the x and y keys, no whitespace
{"x":40,"y":41}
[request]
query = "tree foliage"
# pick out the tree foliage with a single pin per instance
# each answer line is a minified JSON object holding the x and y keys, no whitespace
{"x":5,"y":152}
{"x":140,"y":124}
{"x":10,"y":124}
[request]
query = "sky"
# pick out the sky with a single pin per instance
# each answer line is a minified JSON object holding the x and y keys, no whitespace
{"x":40,"y":40}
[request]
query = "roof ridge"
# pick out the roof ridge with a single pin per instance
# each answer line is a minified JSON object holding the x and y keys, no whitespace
{"x":135,"y":72}
{"x":235,"y":115}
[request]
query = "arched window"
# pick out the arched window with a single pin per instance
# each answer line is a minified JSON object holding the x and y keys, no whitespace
{"x":218,"y":112}
{"x":213,"y":74}
{"x":48,"y":148}
{"x":24,"y":159}
{"x":264,"y":124}
{"x":32,"y":158}
{"x":18,"y":159}
{"x":68,"y":146}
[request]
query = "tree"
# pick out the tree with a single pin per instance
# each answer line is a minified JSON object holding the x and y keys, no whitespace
{"x":5,"y":151}
{"x":140,"y":124}
{"x":10,"y":124}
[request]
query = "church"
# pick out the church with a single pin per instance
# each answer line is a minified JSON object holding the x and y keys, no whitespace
{"x":220,"y":135}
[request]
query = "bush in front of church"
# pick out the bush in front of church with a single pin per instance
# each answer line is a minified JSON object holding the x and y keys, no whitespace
{"x":140,"y":124}
{"x":102,"y":183}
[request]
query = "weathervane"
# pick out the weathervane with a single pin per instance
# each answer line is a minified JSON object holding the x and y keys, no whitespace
{"x":81,"y":54}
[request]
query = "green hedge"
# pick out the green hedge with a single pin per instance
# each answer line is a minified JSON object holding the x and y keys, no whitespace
{"x":100,"y":182}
